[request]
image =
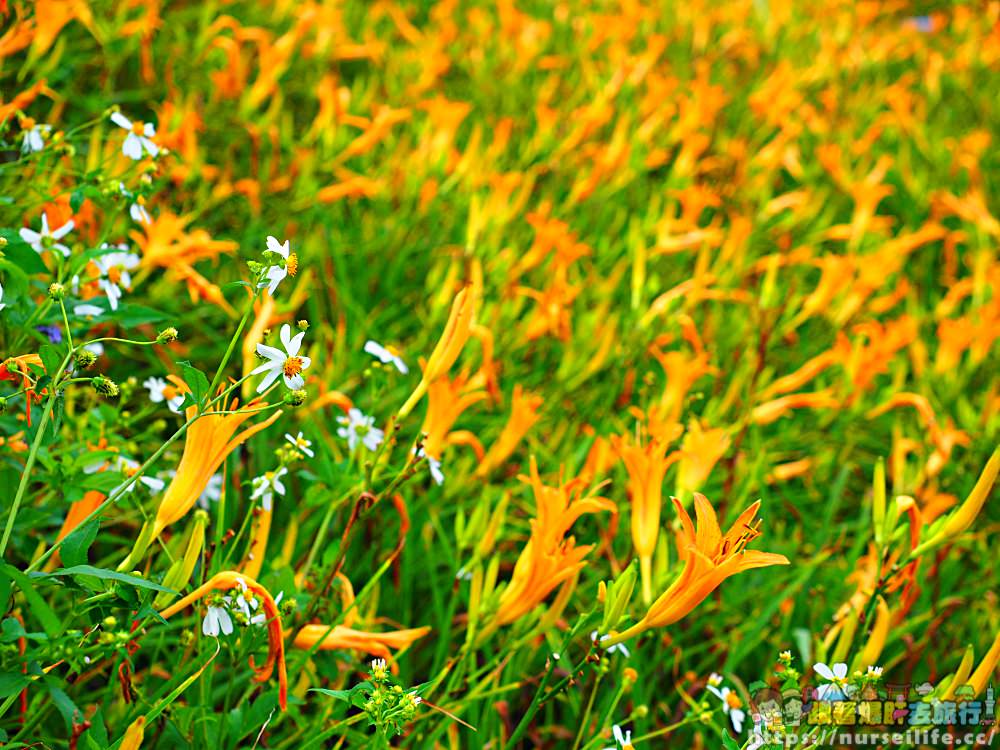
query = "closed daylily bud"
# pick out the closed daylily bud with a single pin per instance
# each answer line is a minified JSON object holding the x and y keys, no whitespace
{"x":961,"y":675}
{"x":878,"y":502}
{"x":962,"y":517}
{"x":134,"y":734}
{"x":984,"y":672}
{"x":876,"y":639}
{"x":180,"y":572}
{"x":617,"y":597}
{"x":456,"y":333}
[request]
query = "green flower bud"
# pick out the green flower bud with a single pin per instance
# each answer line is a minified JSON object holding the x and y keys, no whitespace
{"x":295,"y":398}
{"x":85,"y":359}
{"x":167,"y":335}
{"x":56,"y":291}
{"x":105,"y":386}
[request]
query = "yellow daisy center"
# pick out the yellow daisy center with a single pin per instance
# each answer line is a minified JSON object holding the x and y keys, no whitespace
{"x":27,"y":123}
{"x":138,"y":127}
{"x":169,"y":392}
{"x":734,"y":701}
{"x":115,"y":274}
{"x":292,"y":264}
{"x":293,"y":366}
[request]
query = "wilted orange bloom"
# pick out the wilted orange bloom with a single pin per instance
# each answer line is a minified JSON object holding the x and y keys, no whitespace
{"x":709,"y":558}
{"x":16,"y":369}
{"x":209,"y":440}
{"x":549,"y":558}
{"x":700,"y":451}
{"x":523,"y":415}
{"x":227,"y":580}
{"x":773,"y":410}
{"x":944,"y":438}
{"x":447,"y":398}
{"x":646,"y":464}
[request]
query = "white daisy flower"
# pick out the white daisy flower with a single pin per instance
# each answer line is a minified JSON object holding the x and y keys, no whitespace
{"x":160,"y":390}
{"x":266,"y":485}
{"x":834,"y":690}
{"x":379,"y":669}
{"x":261,"y":617}
{"x":386,"y":354}
{"x":732,"y":706}
{"x":115,"y":268}
{"x":129,"y":468}
{"x":434,"y":464}
{"x":619,"y":647}
{"x":139,"y":138}
{"x":97,"y":348}
{"x":284,"y":363}
{"x":45,"y":239}
{"x":217,"y":620}
{"x":874,"y":672}
{"x":300,"y":444}
{"x":139,"y":213}
{"x":277,"y":273}
{"x":623,"y":740}
{"x":33,"y":137}
{"x":359,"y":427}
{"x":245,"y":600}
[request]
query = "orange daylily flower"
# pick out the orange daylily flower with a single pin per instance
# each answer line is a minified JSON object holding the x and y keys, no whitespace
{"x":710,"y":557}
{"x":227,"y":580}
{"x":773,"y":410}
{"x":700,"y":451}
{"x":447,"y":398}
{"x":549,"y":558}
{"x":646,"y":465}
{"x":523,"y":415}
{"x":209,"y":441}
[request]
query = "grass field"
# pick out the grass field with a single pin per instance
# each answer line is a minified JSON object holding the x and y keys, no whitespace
{"x":572,"y":374}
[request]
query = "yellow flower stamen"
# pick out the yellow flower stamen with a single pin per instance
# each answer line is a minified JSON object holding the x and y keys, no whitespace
{"x":293,"y":367}
{"x":138,"y":127}
{"x":292,"y":264}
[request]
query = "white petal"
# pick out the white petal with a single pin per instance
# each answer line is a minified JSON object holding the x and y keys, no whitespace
{"x":30,"y":236}
{"x":306,"y":361}
{"x":268,"y":366}
{"x":210,"y":625}
{"x":823,"y":671}
{"x":268,"y":380}
{"x":121,"y":120}
{"x":132,"y":147}
{"x":275,"y":355}
{"x":737,"y":716}
{"x":226,"y":621}
{"x":63,"y":230}
{"x":295,"y":383}
{"x":840,"y":669}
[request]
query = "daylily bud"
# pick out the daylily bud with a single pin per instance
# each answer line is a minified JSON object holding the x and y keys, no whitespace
{"x":180,"y":572}
{"x":962,"y":517}
{"x":878,"y":502}
{"x":617,"y":598}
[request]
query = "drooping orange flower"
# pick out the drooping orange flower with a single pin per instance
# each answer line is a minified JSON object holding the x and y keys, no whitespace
{"x":342,"y":637}
{"x":646,"y":464}
{"x":523,"y":415}
{"x":549,"y":558}
{"x":227,"y":580}
{"x":773,"y":410}
{"x":16,"y":370}
{"x":710,"y":557}
{"x":210,"y":439}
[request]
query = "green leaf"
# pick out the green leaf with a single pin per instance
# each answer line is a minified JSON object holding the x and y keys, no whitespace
{"x":77,"y":542}
{"x":38,"y":606}
{"x":11,"y":683}
{"x":196,"y":380}
{"x":728,"y":742}
{"x":52,"y":358}
{"x":107,"y":575}
{"x":21,"y":253}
